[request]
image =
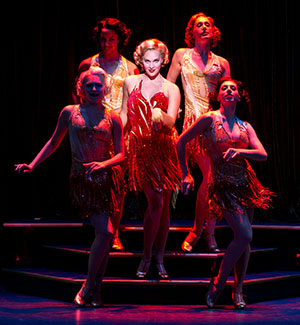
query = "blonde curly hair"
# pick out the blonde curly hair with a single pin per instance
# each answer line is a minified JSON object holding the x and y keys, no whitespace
{"x":151,"y":44}
{"x":93,"y":70}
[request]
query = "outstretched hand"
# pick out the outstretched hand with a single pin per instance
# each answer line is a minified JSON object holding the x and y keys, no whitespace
{"x":23,"y":168}
{"x":187,"y":184}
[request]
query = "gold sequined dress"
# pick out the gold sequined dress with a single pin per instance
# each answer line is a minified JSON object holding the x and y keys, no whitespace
{"x":113,"y":99}
{"x":99,"y":192}
{"x":197,"y":86}
{"x":152,"y":157}
{"x":232,"y":185}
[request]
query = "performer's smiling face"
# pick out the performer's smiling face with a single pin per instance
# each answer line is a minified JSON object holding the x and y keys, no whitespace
{"x":152,"y":61}
{"x":203,"y":29}
{"x":109,"y":41}
{"x":94,"y":88}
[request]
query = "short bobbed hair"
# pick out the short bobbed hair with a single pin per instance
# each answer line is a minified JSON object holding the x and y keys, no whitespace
{"x":148,"y":45}
{"x":189,"y":37}
{"x":244,"y":102}
{"x":117,"y":26}
{"x":93,"y":70}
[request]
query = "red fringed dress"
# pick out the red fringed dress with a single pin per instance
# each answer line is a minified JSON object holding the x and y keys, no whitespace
{"x":152,"y":157}
{"x":101,"y":191}
{"x":232,"y":185}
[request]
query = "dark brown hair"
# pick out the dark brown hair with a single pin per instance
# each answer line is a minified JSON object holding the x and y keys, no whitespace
{"x":244,"y":102}
{"x":117,"y":26}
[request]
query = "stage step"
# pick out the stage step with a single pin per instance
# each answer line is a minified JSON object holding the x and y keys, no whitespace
{"x":282,"y":236}
{"x":49,"y":259}
{"x":75,"y":258}
{"x":121,"y":290}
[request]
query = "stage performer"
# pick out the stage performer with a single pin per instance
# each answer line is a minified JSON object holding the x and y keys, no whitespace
{"x":96,"y":179}
{"x":111,"y":36}
{"x":200,"y":71}
{"x":233,"y":189}
{"x":150,"y":106}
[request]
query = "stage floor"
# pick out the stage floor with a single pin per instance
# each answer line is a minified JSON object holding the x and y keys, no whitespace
{"x":21,"y":309}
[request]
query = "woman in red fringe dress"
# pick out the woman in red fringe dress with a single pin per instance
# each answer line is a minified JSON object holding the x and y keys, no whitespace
{"x":233,"y":188}
{"x":150,"y":106}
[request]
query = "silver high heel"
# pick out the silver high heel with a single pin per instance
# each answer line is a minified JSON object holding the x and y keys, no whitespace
{"x":143,"y":269}
{"x":238,"y":300}
{"x":161,"y":271}
{"x":96,"y":300}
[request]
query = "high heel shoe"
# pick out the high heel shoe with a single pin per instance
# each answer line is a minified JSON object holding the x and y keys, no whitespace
{"x":210,"y":240}
{"x":190,"y":241}
{"x":96,"y":300}
{"x":212,"y":294}
{"x":213,"y":249}
{"x":83,"y":296}
{"x":161,"y":271}
{"x":143,"y":269}
{"x":238,"y":300}
{"x":116,"y":245}
{"x":186,"y":247}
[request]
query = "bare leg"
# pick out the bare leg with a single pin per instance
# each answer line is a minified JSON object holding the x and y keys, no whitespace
{"x":152,"y":219}
{"x":97,"y":299}
{"x":209,"y":234}
{"x":162,"y":235}
{"x":116,"y":222}
{"x":241,"y":226}
{"x":156,"y":227}
{"x":100,"y":247}
{"x":97,"y":261}
{"x":241,"y":265}
{"x":201,"y":212}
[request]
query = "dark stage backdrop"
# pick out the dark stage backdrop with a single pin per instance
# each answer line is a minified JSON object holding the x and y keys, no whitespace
{"x":48,"y":39}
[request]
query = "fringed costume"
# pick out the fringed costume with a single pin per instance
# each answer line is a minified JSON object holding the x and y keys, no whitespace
{"x":232,"y":185}
{"x":99,"y":192}
{"x":152,"y":157}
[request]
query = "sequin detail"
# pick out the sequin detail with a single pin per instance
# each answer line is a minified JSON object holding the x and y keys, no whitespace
{"x":101,"y":191}
{"x":232,"y":185}
{"x":197,"y":86}
{"x":152,"y":158}
{"x":113,"y":99}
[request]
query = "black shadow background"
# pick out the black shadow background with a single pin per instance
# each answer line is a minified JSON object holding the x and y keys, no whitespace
{"x":47,"y":41}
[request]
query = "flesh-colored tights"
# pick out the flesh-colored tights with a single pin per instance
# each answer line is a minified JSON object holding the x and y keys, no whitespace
{"x":201,"y":209}
{"x":238,"y":252}
{"x":156,"y":223}
{"x":99,"y":250}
